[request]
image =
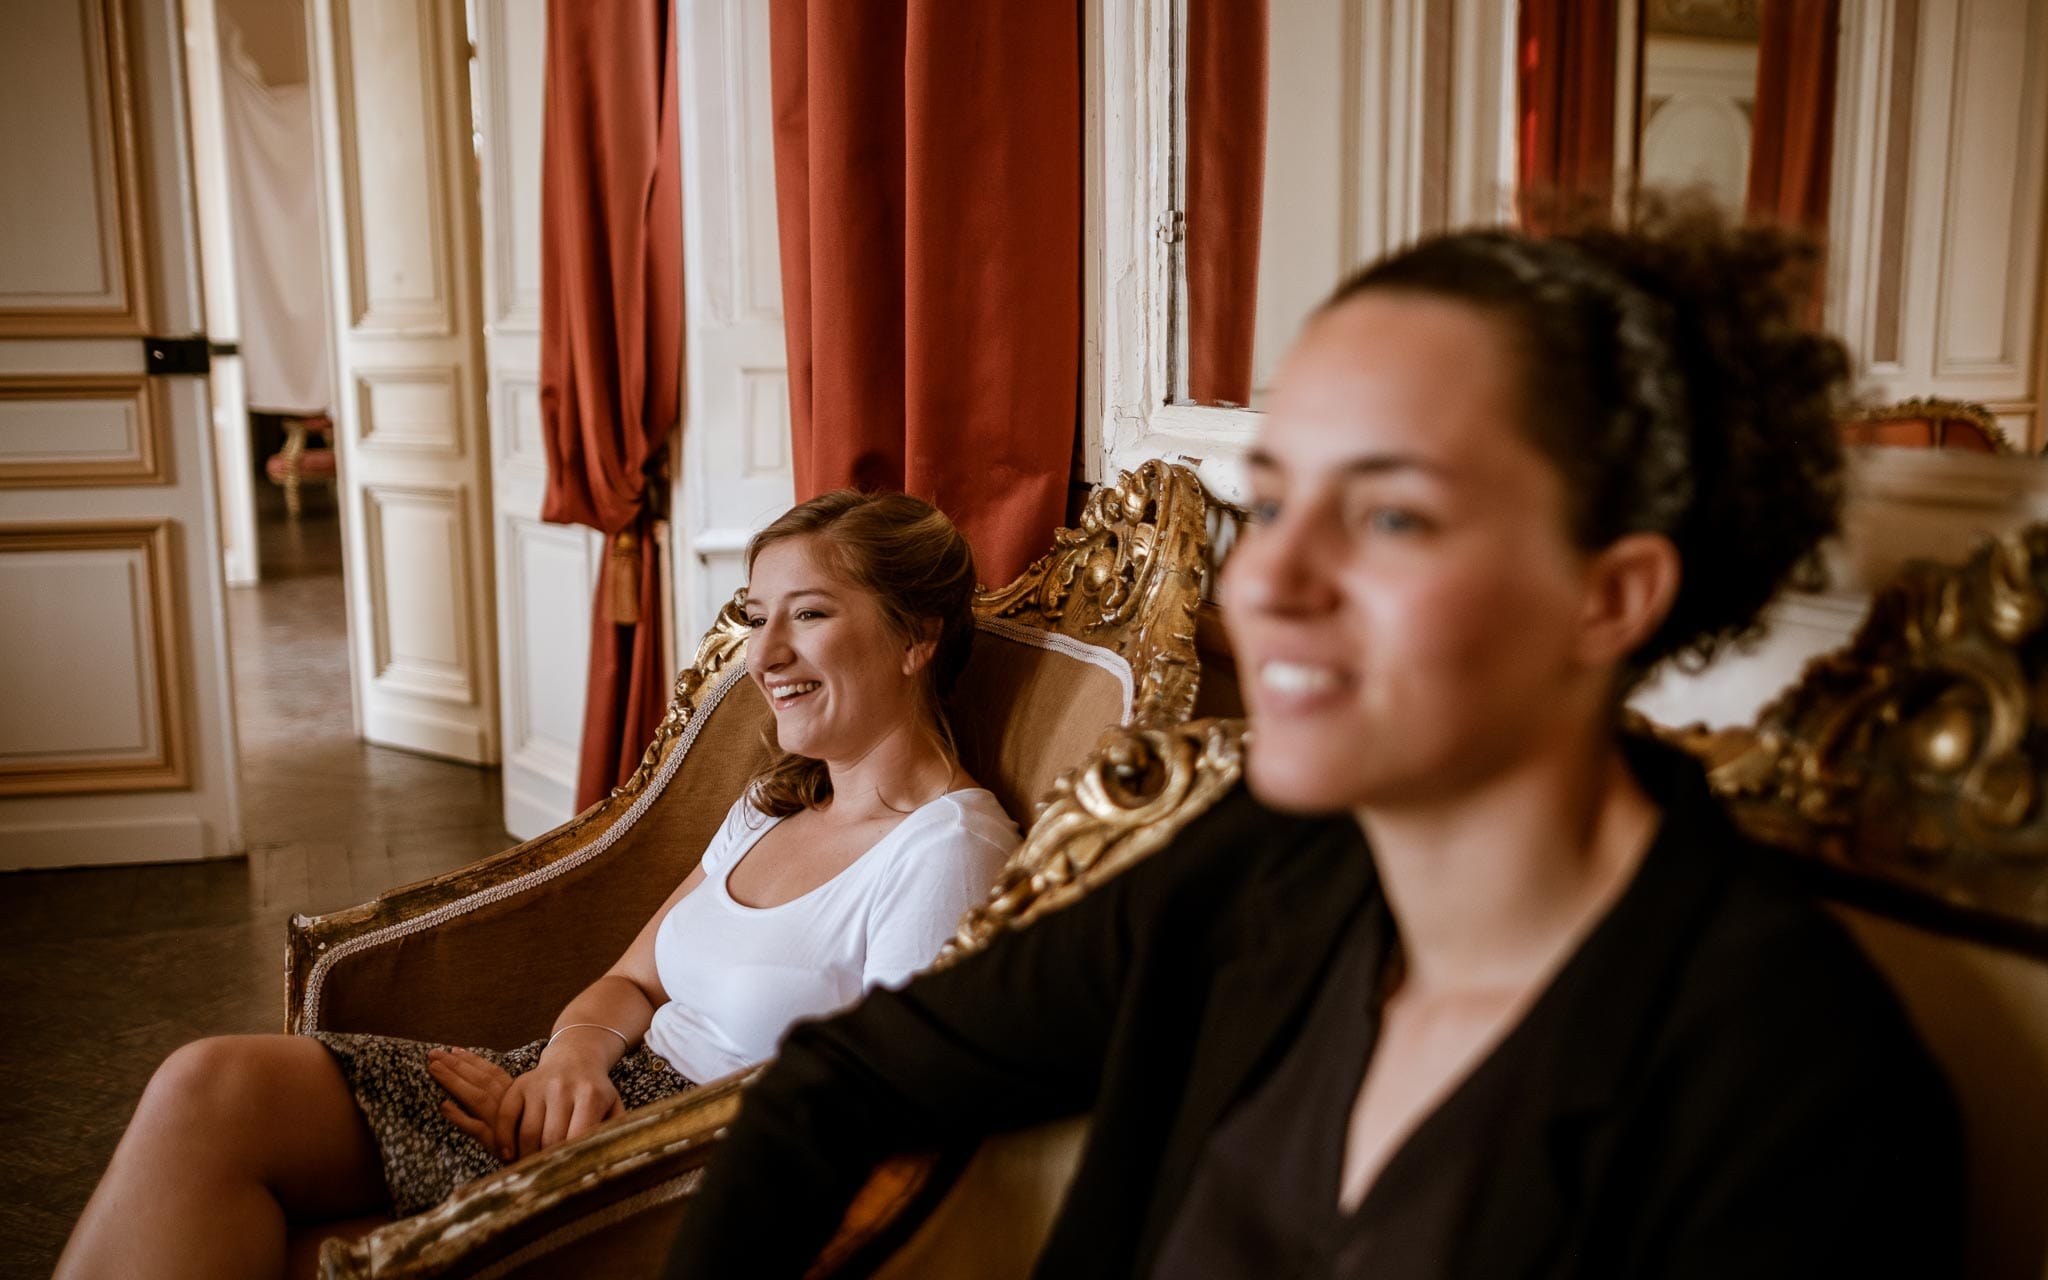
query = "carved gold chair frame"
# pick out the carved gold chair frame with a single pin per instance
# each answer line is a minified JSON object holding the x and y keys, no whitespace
{"x":1907,"y":768}
{"x":1127,"y":580}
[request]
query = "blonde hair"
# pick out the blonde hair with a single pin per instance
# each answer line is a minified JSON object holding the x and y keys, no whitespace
{"x":905,"y":554}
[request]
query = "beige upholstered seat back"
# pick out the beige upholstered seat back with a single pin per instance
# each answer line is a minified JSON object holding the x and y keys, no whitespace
{"x":1984,"y":1012}
{"x":1026,"y":710}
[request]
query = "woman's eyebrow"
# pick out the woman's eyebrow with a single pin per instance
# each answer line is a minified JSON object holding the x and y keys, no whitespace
{"x":820,"y":592}
{"x":1363,"y":464}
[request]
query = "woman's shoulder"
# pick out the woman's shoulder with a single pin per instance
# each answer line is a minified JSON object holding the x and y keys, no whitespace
{"x":968,"y":814}
{"x":1777,"y":981}
{"x":742,"y":822}
{"x":1772,"y":940}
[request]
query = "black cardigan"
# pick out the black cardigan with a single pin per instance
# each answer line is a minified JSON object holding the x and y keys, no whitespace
{"x":1728,"y":1089}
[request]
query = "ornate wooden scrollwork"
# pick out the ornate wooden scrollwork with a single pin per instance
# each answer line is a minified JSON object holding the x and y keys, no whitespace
{"x":1938,"y":413}
{"x":715,"y":652}
{"x":1138,"y":789}
{"x":1128,"y":577}
{"x":1914,"y":754}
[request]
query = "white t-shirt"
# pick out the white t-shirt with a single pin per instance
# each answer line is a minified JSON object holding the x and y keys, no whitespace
{"x":738,"y":976}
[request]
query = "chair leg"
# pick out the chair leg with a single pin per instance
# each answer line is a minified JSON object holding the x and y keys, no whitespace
{"x":294,"y":449}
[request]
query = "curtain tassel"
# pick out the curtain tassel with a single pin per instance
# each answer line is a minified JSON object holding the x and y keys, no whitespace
{"x":625,"y":578}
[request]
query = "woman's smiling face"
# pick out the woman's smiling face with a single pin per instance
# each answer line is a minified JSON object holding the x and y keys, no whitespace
{"x":1405,"y":610}
{"x":838,"y":676}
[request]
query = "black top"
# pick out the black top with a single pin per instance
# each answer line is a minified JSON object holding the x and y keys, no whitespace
{"x":1718,"y":1083}
{"x":1262,"y":1204}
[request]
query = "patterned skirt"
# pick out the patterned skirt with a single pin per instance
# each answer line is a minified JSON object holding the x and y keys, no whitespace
{"x":424,"y":1155}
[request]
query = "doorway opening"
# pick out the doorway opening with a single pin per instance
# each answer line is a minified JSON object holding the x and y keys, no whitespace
{"x":328,"y":819}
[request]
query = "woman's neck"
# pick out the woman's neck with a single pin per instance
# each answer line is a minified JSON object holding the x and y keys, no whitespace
{"x":1491,"y":890}
{"x":903,"y":769}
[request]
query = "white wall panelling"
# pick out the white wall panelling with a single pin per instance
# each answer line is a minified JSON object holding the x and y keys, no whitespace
{"x":545,"y":628}
{"x":399,"y":212}
{"x":546,"y":574}
{"x":1941,"y":152}
{"x":734,"y":473}
{"x":116,"y":731}
{"x":511,"y":39}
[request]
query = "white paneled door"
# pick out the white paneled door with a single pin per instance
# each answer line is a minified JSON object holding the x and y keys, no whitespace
{"x":735,"y":472}
{"x":546,"y":573}
{"x":391,"y":93}
{"x":116,"y":734}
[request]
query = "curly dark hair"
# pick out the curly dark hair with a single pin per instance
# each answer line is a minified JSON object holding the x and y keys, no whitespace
{"x":1669,"y":373}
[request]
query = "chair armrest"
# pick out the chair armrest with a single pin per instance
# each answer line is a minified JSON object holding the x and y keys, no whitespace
{"x":655,"y":1153}
{"x":314,"y":944}
{"x":645,"y":1159}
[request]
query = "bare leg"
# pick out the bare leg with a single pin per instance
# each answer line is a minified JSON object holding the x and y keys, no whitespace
{"x":235,"y":1137}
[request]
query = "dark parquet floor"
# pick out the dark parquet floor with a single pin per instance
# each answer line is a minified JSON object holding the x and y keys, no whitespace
{"x":105,"y":971}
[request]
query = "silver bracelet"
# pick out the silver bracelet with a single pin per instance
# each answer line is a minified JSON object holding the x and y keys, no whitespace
{"x":624,"y":1043}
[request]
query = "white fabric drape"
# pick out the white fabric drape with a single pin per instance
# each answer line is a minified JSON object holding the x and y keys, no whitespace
{"x":271,"y":155}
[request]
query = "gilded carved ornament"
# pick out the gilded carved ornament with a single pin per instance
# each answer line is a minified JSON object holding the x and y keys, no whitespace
{"x":1913,"y":755}
{"x":1936,"y":409}
{"x":1123,"y":804}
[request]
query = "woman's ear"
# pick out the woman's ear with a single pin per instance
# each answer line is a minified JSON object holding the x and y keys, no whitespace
{"x":918,"y":652}
{"x":1630,"y":586}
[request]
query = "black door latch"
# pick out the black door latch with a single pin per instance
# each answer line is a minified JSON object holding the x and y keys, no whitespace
{"x":169,"y":357}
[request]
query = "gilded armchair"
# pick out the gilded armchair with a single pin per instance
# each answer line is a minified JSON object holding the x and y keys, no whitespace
{"x":1098,"y":634}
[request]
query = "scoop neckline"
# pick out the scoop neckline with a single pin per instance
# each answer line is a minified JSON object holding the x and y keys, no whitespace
{"x":725,"y":893}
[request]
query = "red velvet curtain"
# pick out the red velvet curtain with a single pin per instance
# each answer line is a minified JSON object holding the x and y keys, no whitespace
{"x":928,"y":189}
{"x":1565,"y":107}
{"x":1226,"y":178}
{"x":611,"y":341}
{"x":1793,"y":135}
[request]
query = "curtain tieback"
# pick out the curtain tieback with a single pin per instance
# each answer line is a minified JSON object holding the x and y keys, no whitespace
{"x":624,"y":605}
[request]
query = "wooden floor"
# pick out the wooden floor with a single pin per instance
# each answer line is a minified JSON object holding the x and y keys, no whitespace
{"x":104,"y":971}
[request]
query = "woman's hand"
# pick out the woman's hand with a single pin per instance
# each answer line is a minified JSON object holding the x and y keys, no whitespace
{"x":566,"y":1096}
{"x":476,"y":1089}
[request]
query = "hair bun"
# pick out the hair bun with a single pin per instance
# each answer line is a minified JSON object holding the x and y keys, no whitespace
{"x":1763,"y":388}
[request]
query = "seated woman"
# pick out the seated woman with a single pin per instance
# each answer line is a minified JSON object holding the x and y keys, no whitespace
{"x":845,"y":865}
{"x":1473,"y":982}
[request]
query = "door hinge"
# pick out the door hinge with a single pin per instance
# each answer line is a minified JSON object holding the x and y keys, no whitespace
{"x":1171,"y":227}
{"x":173,"y":357}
